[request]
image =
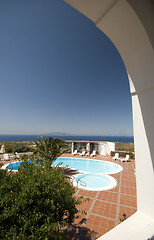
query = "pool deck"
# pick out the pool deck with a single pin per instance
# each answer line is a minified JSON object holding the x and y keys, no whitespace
{"x":104,"y":209}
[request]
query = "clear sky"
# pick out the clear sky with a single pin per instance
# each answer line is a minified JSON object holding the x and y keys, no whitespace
{"x":59,"y":73}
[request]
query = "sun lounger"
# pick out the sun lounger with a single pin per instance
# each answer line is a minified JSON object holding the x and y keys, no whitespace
{"x":93,"y":153}
{"x":126,"y":159}
{"x":116,"y":156}
{"x":83,"y":153}
{"x":17,"y":155}
{"x":75,"y":152}
{"x":87,"y":154}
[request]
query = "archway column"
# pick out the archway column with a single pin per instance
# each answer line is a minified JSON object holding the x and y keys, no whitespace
{"x":123,"y":27}
{"x":72,"y":149}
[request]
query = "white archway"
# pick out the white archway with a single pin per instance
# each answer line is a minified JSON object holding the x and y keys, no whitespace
{"x":133,"y":39}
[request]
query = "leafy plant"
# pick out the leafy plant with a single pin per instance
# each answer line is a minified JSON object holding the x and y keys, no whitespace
{"x":124,"y":217}
{"x":36,"y":202}
{"x":49,"y":149}
{"x":20,"y":147}
{"x":131,"y":155}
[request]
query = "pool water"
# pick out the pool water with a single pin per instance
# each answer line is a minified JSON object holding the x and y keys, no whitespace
{"x":95,"y":176}
{"x":14,"y":166}
{"x":89,"y":165}
{"x":93,"y":182}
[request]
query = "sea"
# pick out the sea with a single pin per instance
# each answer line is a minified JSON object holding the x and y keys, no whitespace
{"x":22,"y":138}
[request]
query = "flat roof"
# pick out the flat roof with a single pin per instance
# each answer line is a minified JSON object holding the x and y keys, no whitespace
{"x":84,"y":141}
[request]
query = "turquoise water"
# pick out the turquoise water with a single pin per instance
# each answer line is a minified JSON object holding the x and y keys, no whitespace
{"x":93,"y":180}
{"x":89,"y":165}
{"x":14,"y":166}
{"x":81,"y":164}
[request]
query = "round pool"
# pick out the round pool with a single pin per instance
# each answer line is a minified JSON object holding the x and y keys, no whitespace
{"x":93,"y":182}
{"x":89,"y":165}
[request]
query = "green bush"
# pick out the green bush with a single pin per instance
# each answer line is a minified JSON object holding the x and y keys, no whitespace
{"x":36,"y":202}
{"x":131,"y":155}
{"x":8,"y":149}
{"x":20,"y":147}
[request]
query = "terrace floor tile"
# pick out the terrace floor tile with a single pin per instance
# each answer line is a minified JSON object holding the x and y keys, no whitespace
{"x":127,"y":200}
{"x":99,"y":225}
{"x":104,"y":209}
{"x":108,"y":196}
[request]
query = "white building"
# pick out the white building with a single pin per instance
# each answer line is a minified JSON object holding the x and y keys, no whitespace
{"x":102,"y":147}
{"x":2,"y":149}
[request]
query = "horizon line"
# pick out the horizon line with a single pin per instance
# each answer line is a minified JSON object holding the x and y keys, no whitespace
{"x":68,"y":135}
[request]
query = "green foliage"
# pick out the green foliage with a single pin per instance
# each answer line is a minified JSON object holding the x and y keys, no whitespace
{"x":36,"y":202}
{"x":24,"y":157}
{"x":129,"y":147}
{"x":8,"y":149}
{"x":20,"y":147}
{"x":49,"y":149}
{"x":124,"y":217}
{"x":131,"y":155}
{"x":17,"y":147}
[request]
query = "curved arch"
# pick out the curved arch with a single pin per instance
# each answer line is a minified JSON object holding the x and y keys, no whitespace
{"x":120,"y":22}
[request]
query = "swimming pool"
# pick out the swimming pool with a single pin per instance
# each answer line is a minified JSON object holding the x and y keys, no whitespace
{"x":93,"y":182}
{"x":12,"y":166}
{"x":94,"y":172}
{"x":80,"y":164}
{"x":89,"y":165}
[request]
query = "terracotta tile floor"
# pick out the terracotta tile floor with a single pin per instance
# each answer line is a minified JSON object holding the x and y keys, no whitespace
{"x":105,"y":208}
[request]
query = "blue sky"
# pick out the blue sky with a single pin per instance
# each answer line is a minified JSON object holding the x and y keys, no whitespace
{"x":59,"y":73}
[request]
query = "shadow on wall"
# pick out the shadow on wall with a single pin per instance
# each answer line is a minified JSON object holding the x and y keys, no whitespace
{"x":145,"y":100}
{"x":152,"y":238}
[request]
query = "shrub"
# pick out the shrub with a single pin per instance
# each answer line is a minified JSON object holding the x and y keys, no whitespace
{"x":8,"y":149}
{"x":36,"y":202}
{"x":131,"y":155}
{"x":124,"y":217}
{"x":20,"y":147}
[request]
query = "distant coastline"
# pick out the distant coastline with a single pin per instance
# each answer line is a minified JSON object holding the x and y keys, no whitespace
{"x":21,"y":138}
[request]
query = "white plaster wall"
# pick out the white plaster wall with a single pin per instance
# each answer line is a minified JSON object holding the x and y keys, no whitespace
{"x":72,"y":149}
{"x":110,"y":146}
{"x":106,"y":148}
{"x":102,"y":149}
{"x":125,"y":30}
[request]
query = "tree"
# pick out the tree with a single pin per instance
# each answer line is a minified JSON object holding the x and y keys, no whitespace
{"x":49,"y":149}
{"x":39,"y":200}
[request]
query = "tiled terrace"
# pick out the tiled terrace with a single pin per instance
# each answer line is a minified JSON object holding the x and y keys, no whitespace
{"x":104,"y":209}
